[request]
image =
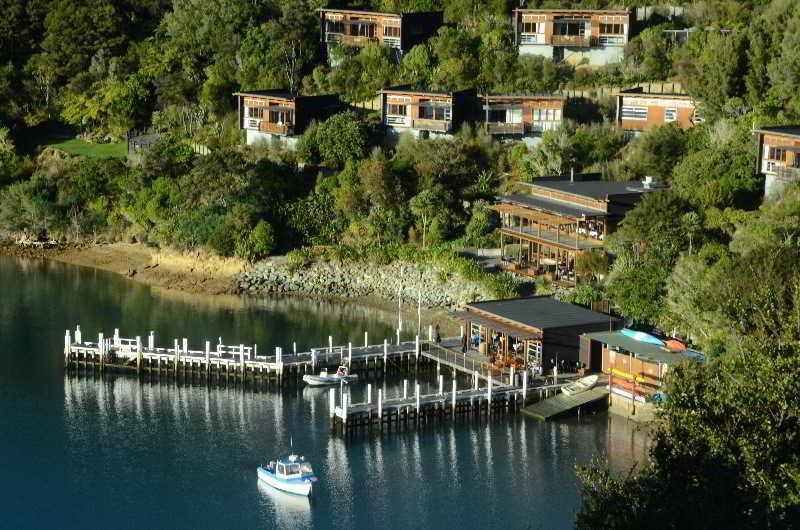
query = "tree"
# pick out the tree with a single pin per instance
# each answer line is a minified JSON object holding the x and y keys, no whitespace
{"x":425,"y":206}
{"x":784,"y":69}
{"x":717,"y":76}
{"x":341,"y":138}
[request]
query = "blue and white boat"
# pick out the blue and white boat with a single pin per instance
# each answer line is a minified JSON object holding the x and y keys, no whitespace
{"x":292,"y":474}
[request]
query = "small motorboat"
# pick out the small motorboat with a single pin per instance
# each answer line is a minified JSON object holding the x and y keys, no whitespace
{"x":581,"y":385}
{"x":324,"y":378}
{"x":292,"y":474}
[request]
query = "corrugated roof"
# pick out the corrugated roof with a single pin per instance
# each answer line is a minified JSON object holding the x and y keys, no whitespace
{"x":786,"y":130}
{"x":642,"y":350}
{"x":541,"y":312}
{"x":549,"y":205}
{"x":596,"y":189}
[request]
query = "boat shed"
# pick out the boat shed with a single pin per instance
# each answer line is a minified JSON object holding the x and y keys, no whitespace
{"x":531,"y":332}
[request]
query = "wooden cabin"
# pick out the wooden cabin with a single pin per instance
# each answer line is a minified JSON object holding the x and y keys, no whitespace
{"x":530,"y":332}
{"x":521,"y":115}
{"x":399,"y":31}
{"x":573,"y":35}
{"x":274,"y":115}
{"x":778,"y":158}
{"x":542,"y":232}
{"x":425,"y":113}
{"x":638,"y":111}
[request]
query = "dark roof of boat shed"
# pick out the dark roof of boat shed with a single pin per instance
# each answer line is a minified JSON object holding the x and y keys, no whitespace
{"x":541,"y":312}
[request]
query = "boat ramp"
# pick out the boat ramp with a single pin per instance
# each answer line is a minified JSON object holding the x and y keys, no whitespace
{"x":561,"y":404}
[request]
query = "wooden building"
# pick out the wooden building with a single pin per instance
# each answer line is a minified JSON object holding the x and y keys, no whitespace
{"x":636,"y":368}
{"x":425,"y":113}
{"x":574,"y":35}
{"x":274,"y":115}
{"x":530,"y":332}
{"x":399,"y":31}
{"x":638,"y":111}
{"x":778,"y":158}
{"x":521,"y":115}
{"x":543,"y":231}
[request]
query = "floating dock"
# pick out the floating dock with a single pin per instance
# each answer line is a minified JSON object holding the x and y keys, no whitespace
{"x":561,"y":404}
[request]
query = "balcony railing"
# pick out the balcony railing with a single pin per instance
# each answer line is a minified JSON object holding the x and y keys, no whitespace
{"x":505,"y":128}
{"x":276,"y":128}
{"x":333,"y":37}
{"x":787,"y":172}
{"x":393,"y":42}
{"x":432,"y":125}
{"x":398,"y":121}
{"x":571,"y":40}
{"x":531,"y":38}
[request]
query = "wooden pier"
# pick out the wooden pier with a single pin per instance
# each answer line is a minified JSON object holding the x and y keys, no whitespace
{"x":561,"y":404}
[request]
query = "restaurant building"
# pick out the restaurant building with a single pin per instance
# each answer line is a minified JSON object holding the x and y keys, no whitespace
{"x":425,"y":113}
{"x":573,"y":35}
{"x":355,"y":27}
{"x":638,"y":111}
{"x":531,"y":332}
{"x":278,"y":116}
{"x":778,"y":158}
{"x":521,"y":116}
{"x":542,"y":232}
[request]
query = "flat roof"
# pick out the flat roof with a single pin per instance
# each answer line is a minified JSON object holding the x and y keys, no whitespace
{"x":407,"y":89}
{"x":592,"y":11}
{"x":381,"y":13}
{"x":783,"y":130}
{"x":551,"y":205}
{"x":643,"y":350}
{"x":639,"y":91}
{"x":527,"y":95}
{"x":596,"y":189}
{"x":541,"y":312}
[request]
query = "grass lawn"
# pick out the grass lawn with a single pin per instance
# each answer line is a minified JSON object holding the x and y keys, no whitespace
{"x":74,"y":146}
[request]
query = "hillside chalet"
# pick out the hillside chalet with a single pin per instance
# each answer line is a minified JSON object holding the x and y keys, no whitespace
{"x":425,"y":113}
{"x":273,"y":115}
{"x":573,"y":35}
{"x":778,"y":158}
{"x":543,"y":231}
{"x":531,"y":332}
{"x":638,"y":111}
{"x":399,"y":31}
{"x":521,"y":115}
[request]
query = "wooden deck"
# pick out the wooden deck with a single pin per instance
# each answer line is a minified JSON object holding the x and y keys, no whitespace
{"x":562,"y":404}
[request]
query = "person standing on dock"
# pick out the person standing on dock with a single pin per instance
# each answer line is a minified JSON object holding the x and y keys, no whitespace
{"x":464,"y":341}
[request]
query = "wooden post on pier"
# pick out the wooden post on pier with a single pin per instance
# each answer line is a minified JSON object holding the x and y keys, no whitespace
{"x":366,"y":339}
{"x":398,"y":336}
{"x":416,"y":348}
{"x":385,"y":353}
{"x":475,"y":380}
{"x":454,"y":395}
{"x":441,"y":385}
{"x":241,"y":358}
{"x":405,"y":388}
{"x":332,"y":403}
{"x":294,"y":348}
{"x":489,"y":395}
{"x":380,"y":408}
{"x":524,"y":387}
{"x":369,"y":393}
{"x":67,"y":344}
{"x":116,"y":337}
{"x":349,"y":355}
{"x":100,"y":343}
{"x":208,"y":356}
{"x":138,"y":354}
{"x":330,"y":344}
{"x":417,"y":399}
{"x":151,"y":341}
{"x":430,"y":333}
{"x":78,"y":335}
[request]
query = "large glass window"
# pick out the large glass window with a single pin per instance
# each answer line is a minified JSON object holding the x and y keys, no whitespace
{"x":255,"y":113}
{"x":391,"y":31}
{"x":634,"y":113}
{"x":612,"y":29}
{"x":396,"y":109}
{"x":776,"y":153}
{"x":334,"y":26}
{"x":434,"y":113}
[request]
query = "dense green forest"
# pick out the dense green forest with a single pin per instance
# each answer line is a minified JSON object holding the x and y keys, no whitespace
{"x":704,"y":258}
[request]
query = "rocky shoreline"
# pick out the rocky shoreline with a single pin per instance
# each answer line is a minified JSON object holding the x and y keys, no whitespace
{"x":438,"y":287}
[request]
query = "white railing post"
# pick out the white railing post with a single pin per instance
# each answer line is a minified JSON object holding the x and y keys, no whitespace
{"x":151,"y":341}
{"x":330,"y":343}
{"x":380,"y":407}
{"x":405,"y":388}
{"x":100,"y":343}
{"x":78,"y":335}
{"x":416,"y":347}
{"x":313,"y":359}
{"x":332,"y":402}
{"x":185,"y":350}
{"x":430,"y":333}
{"x":385,"y":352}
{"x":441,"y":385}
{"x":524,"y":386}
{"x":116,"y":336}
{"x":489,"y":395}
{"x":417,"y":399}
{"x":511,"y":376}
{"x":349,"y":355}
{"x":294,"y":348}
{"x":369,"y":393}
{"x":67,"y":342}
{"x":208,"y":352}
{"x":454,"y":396}
{"x":366,"y":339}
{"x":398,"y":336}
{"x":475,"y":380}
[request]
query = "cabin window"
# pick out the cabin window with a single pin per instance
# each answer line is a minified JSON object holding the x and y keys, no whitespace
{"x":634,"y":113}
{"x":776,"y":153}
{"x":396,"y":110}
{"x":255,"y":113}
{"x":280,"y":470}
{"x":334,"y":26}
{"x":292,"y":469}
{"x":434,"y":113}
{"x":612,"y":29}
{"x":546,"y":114}
{"x":362,"y":30}
{"x":391,"y":31}
{"x":532,"y":27}
{"x":497,"y":116}
{"x":670,"y":115}
{"x":571,"y":28}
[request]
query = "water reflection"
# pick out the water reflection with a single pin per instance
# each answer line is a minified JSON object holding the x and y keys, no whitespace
{"x":284,"y":511}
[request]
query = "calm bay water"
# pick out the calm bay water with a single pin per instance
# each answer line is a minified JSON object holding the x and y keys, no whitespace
{"x":120,"y":452}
